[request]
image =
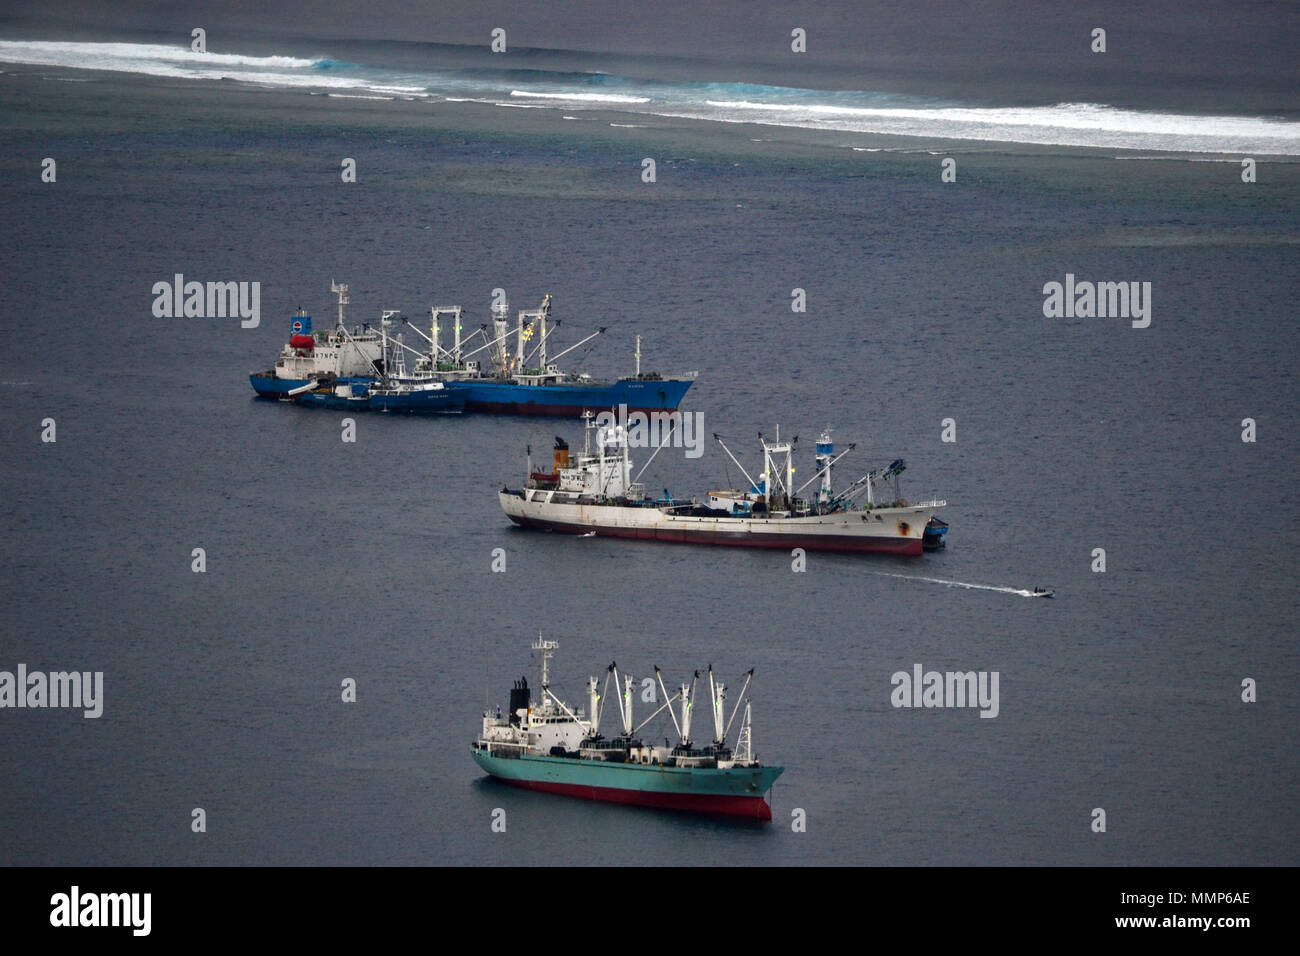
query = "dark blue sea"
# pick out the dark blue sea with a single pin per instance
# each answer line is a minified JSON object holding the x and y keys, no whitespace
{"x":371,"y":560}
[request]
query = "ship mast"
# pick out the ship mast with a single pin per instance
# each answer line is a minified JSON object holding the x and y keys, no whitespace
{"x":541,"y":345}
{"x":745,"y":740}
{"x":770,"y":449}
{"x":547,"y":649}
{"x":385,"y":321}
{"x":625,"y":701}
{"x":825,"y":458}
{"x":433,"y":338}
{"x":744,"y":687}
{"x":341,"y":290}
{"x":436,"y":350}
{"x":686,"y":694}
{"x":687,"y":706}
{"x":455,"y":342}
{"x":526,"y":319}
{"x":500,"y":321}
{"x":718,"y":693}
{"x":593,"y":712}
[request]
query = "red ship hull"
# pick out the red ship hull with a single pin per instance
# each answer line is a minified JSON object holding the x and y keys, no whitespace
{"x":753,"y":808}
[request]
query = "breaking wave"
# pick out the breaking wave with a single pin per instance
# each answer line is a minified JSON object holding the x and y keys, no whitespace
{"x":1060,"y":124}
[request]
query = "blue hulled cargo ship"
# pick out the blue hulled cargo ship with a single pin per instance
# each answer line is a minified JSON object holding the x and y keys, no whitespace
{"x":364,"y":368}
{"x":547,"y":745}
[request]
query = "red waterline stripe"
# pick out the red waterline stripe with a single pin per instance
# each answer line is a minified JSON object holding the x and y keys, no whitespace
{"x":755,"y":808}
{"x":755,"y":539}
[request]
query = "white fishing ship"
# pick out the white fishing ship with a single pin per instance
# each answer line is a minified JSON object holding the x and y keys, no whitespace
{"x":598,"y":494}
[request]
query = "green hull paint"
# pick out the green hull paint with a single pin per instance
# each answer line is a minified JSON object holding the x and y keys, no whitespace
{"x":699,"y":782}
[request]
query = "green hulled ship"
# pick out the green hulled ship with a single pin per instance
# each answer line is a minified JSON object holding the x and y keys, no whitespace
{"x":546,"y":745}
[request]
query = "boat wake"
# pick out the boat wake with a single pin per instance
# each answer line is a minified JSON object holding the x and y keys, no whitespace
{"x":1019,"y":592}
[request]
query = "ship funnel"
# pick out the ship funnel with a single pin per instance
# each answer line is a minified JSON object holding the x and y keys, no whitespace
{"x":518,"y":700}
{"x":561,"y":454}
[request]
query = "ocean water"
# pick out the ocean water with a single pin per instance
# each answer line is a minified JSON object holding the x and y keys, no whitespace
{"x":372,"y":560}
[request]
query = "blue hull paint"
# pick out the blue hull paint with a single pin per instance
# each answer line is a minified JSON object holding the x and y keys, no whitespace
{"x":268,"y":386}
{"x":432,"y":402}
{"x":427,"y":403}
{"x":498,"y":397}
{"x":509,"y":398}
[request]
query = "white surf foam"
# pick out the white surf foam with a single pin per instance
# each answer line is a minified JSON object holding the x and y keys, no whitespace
{"x":151,"y":59}
{"x":583,"y":97}
{"x":107,"y":56}
{"x":1063,"y":124}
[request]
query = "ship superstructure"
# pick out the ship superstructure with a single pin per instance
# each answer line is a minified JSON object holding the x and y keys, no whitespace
{"x":339,"y":353}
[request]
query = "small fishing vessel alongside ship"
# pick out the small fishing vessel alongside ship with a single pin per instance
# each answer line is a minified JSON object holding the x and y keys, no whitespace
{"x":598,"y":494}
{"x":547,"y":745}
{"x":383,"y":396}
{"x":365,"y":367}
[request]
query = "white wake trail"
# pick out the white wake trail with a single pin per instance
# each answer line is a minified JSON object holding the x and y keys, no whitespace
{"x":1021,"y":592}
